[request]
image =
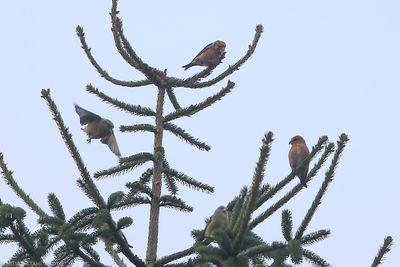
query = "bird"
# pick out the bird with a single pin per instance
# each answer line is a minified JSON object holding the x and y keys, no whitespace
{"x":211,"y":55}
{"x":297,"y":154}
{"x":218,"y":221}
{"x":108,"y":237}
{"x":98,"y":128}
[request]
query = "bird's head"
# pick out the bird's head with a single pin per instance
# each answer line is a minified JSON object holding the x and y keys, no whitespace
{"x":220,"y":45}
{"x":221,"y":209}
{"x":297,"y":139}
{"x":109,"y":123}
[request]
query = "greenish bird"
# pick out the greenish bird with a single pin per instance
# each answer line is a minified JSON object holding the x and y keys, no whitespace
{"x":108,"y":237}
{"x":98,"y":128}
{"x":219,"y":221}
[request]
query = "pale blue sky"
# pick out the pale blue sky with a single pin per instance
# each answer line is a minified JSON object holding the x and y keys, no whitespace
{"x":321,"y":68}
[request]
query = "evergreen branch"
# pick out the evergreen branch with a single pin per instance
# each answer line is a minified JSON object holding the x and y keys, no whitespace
{"x":223,"y":239}
{"x":287,"y":225}
{"x":170,"y":183}
{"x":116,"y":27}
{"x":56,"y":207}
{"x":175,"y":256}
{"x":120,"y":169}
{"x":315,"y":259}
{"x":114,"y":256}
{"x":210,"y":254}
{"x":85,"y":188}
{"x":236,"y":209}
{"x":114,"y":199}
{"x":124,"y":222}
{"x":17,"y":258}
{"x":275,"y":189}
{"x":88,"y":260}
{"x":172,"y":98}
{"x":62,"y":257}
{"x":76,"y":220}
{"x":194,"y":108}
{"x":94,"y":193}
{"x":8,"y":177}
{"x":142,"y":156}
{"x":90,"y":251}
{"x":230,"y":70}
{"x":126,"y":50}
{"x":328,"y":178}
{"x":123,"y":243}
{"x":6,"y":239}
{"x":174,"y":203}
{"x":103,"y":73}
{"x":271,"y":210}
{"x":181,"y":133}
{"x":385,"y":248}
{"x":252,"y":239}
{"x":169,"y":180}
{"x":22,"y":235}
{"x":189,"y":181}
{"x":262,"y":249}
{"x":137,"y":187}
{"x":138,"y":128}
{"x":314,"y":237}
{"x":196,"y":77}
{"x":134,"y":109}
{"x":251,"y":201}
{"x":146,"y":176}
{"x":131,"y":201}
{"x":329,"y":149}
{"x":295,"y":251}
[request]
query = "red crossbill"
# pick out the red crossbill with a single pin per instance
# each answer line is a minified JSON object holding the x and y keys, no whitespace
{"x":211,"y":55}
{"x":98,"y":128}
{"x":297,"y":154}
{"x":219,"y":220}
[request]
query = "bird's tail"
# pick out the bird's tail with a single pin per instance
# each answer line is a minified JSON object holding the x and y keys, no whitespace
{"x":188,"y":65}
{"x":303,"y":182}
{"x":303,"y":177}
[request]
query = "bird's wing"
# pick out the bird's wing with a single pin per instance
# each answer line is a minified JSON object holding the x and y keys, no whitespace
{"x":202,"y":51}
{"x":112,"y":144}
{"x":85,"y":115}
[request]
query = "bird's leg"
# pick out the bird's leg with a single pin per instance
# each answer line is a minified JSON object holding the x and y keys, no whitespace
{"x":89,"y":140}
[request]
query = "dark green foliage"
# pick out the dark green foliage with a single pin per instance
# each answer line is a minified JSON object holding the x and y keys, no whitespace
{"x":124,"y":222}
{"x":71,"y":240}
{"x":384,"y":249}
{"x":195,"y":108}
{"x":181,"y":133}
{"x":188,"y":181}
{"x":174,"y":203}
{"x":287,"y":225}
{"x":114,"y":199}
{"x":295,"y":251}
{"x":101,"y":217}
{"x":55,"y":206}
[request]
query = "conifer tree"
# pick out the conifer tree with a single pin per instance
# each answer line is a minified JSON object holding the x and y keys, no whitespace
{"x":69,"y":240}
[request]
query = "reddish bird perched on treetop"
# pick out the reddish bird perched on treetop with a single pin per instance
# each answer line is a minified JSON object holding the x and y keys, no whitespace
{"x":211,"y":55}
{"x":297,"y":154}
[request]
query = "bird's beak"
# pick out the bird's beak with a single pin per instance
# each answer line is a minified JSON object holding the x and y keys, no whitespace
{"x":290,"y":142}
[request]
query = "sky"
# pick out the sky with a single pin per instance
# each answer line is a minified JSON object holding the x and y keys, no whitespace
{"x":321,"y":68}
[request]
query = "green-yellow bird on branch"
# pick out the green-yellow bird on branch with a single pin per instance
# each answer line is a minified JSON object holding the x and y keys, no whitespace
{"x":98,"y":128}
{"x":218,"y":221}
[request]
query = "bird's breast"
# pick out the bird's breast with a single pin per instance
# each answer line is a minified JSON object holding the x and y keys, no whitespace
{"x":97,"y":129}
